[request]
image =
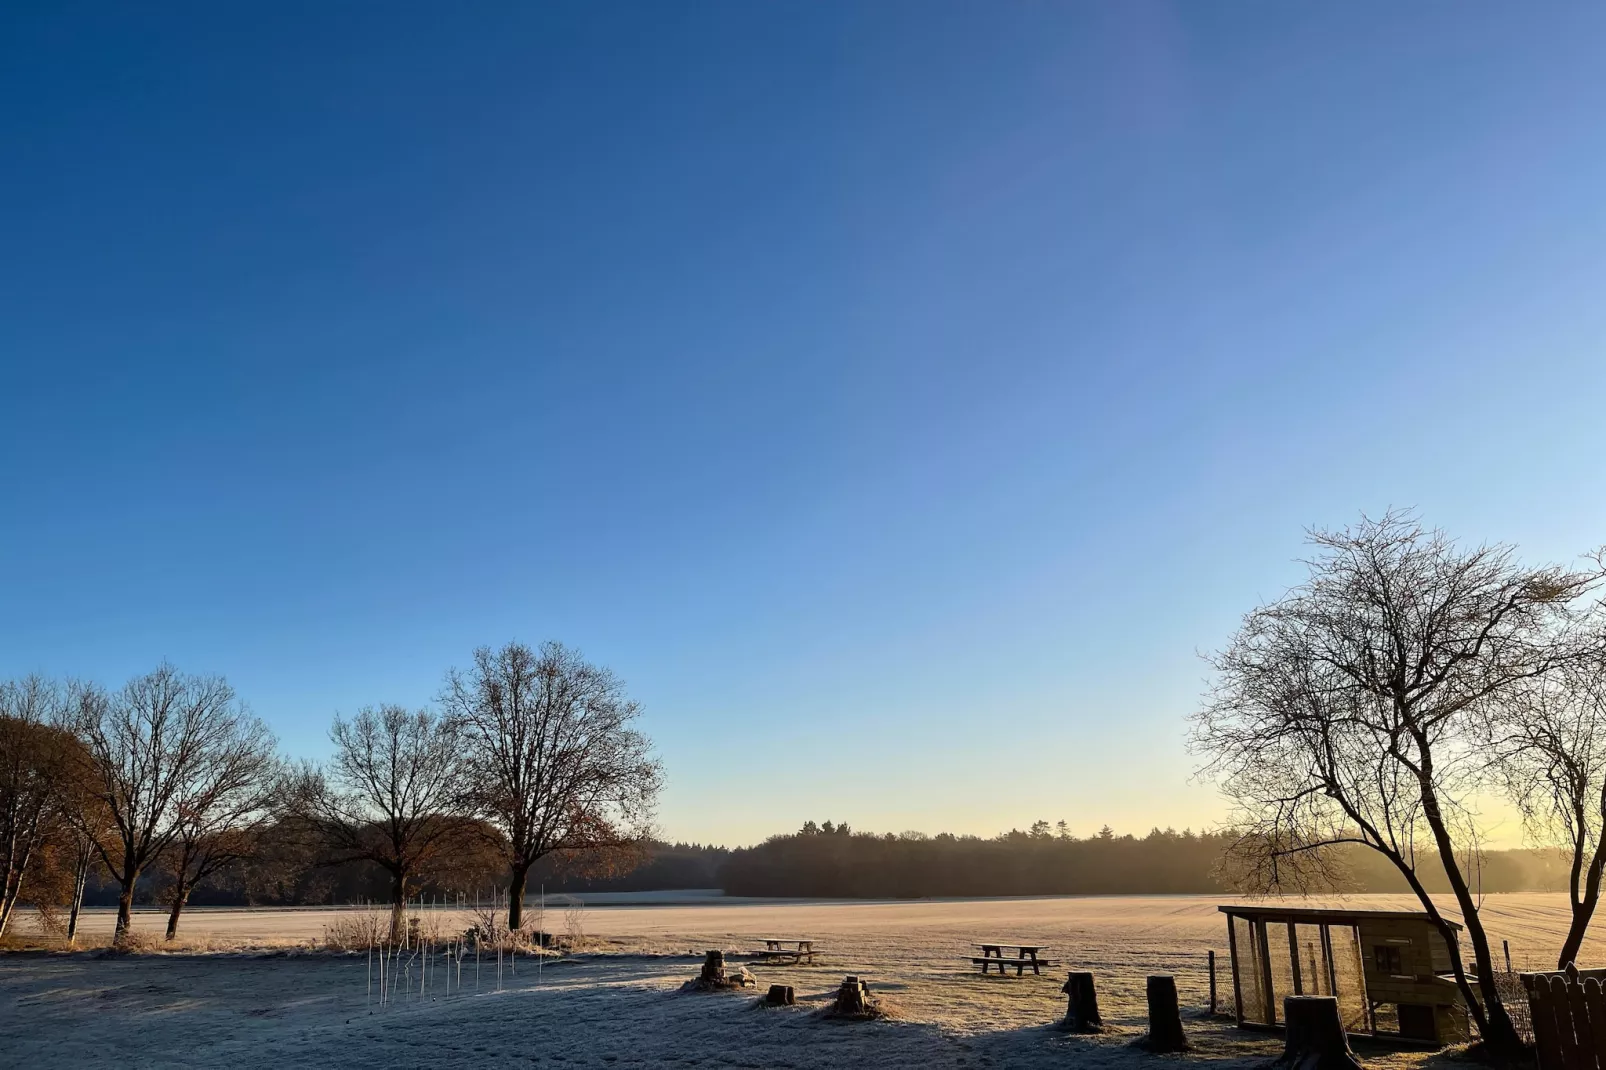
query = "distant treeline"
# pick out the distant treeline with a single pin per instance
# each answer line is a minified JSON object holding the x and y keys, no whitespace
{"x":834,"y":861}
{"x":831,"y":860}
{"x":664,"y":866}
{"x":285,"y":873}
{"x":1525,"y":870}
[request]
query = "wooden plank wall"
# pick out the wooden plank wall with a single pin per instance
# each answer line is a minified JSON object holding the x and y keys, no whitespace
{"x":1423,"y":956}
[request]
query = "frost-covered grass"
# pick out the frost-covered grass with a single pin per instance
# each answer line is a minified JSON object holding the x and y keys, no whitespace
{"x":619,"y":1005}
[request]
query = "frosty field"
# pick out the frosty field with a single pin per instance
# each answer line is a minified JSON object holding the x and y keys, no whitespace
{"x":283,"y":1005}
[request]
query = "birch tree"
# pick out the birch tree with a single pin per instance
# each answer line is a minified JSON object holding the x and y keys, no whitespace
{"x":36,"y":772}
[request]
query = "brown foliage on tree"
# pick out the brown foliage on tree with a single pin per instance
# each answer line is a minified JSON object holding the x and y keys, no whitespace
{"x":38,"y":765}
{"x":1347,"y":710}
{"x":558,"y":765}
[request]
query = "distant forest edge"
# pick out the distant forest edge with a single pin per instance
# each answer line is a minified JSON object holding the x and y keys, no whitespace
{"x":833,"y":861}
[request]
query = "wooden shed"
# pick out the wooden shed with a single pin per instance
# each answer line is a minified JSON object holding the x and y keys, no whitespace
{"x":1391,"y":970}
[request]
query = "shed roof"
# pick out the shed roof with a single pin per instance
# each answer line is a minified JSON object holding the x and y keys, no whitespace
{"x":1329,"y":914}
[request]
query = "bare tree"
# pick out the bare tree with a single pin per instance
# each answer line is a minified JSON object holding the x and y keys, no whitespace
{"x":36,"y":762}
{"x":393,"y":795}
{"x":558,"y":764}
{"x":1548,"y":739}
{"x":220,"y":811}
{"x":1344,"y":712}
{"x":157,"y":746}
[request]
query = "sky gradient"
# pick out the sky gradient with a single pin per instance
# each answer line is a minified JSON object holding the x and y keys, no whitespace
{"x":900,"y":397}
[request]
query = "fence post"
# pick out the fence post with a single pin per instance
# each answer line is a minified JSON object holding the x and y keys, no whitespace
{"x":1212,"y":958}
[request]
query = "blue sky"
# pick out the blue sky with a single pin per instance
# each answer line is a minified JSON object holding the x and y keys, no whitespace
{"x":900,"y":396}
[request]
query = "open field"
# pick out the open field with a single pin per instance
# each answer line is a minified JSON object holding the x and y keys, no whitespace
{"x":617,"y":1005}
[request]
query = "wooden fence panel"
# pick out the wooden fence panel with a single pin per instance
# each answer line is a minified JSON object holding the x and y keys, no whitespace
{"x":1577,"y":996}
{"x":1595,"y":994}
{"x":1558,"y":991}
{"x":1547,"y":1031}
{"x":1569,"y":1020}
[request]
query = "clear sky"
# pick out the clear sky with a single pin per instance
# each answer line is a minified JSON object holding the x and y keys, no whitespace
{"x":899,"y":396}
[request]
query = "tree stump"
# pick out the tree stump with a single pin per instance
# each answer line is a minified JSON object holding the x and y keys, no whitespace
{"x":780,"y":996}
{"x":713,"y":975}
{"x":1165,"y":1017}
{"x":853,"y":998}
{"x":1082,"y":1008}
{"x":1315,"y":1039}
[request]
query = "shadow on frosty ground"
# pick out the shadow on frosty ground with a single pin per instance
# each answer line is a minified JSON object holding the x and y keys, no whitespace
{"x":244,"y":1012}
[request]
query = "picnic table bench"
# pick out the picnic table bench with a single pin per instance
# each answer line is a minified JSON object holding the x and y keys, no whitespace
{"x":1026,"y":954}
{"x":780,"y":947}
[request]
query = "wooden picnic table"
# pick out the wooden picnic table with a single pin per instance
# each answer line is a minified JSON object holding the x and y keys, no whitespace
{"x":1026,"y":954}
{"x":795,"y":948}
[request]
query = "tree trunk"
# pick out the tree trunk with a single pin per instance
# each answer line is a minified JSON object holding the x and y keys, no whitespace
{"x":79,"y":880}
{"x":1431,"y":909}
{"x":8,"y":900}
{"x":125,"y":906}
{"x":515,"y":896}
{"x":181,"y":895}
{"x":1583,"y":904}
{"x":15,"y":869}
{"x":1082,"y":1008}
{"x":1378,"y":843}
{"x":398,"y":906}
{"x":1165,"y":1016}
{"x":1498,"y":1032}
{"x":1315,"y":1039}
